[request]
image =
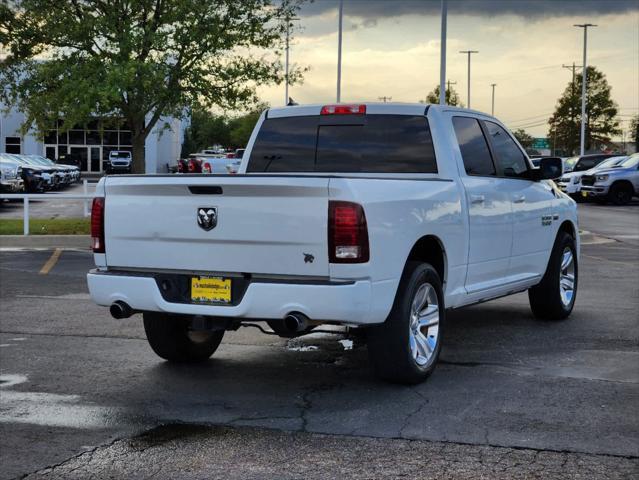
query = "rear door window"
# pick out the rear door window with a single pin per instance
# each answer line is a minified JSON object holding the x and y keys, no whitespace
{"x":473,"y":147}
{"x":384,"y":144}
{"x":510,"y":158}
{"x":372,"y":144}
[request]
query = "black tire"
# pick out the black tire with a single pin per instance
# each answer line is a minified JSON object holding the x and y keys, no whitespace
{"x":620,"y":193}
{"x":546,"y":300}
{"x":170,"y":338}
{"x":389,"y":344}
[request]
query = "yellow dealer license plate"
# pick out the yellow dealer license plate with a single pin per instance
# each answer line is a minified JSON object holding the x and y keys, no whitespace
{"x":210,"y":289}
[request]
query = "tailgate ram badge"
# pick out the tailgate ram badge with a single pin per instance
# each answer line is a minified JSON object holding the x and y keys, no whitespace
{"x":207,"y":218}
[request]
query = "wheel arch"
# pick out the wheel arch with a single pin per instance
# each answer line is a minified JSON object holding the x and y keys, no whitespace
{"x":430,"y":249}
{"x":625,"y":182}
{"x":568,"y":227}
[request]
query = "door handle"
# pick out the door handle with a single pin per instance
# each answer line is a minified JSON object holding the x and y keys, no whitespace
{"x":519,"y":199}
{"x":477,"y":199}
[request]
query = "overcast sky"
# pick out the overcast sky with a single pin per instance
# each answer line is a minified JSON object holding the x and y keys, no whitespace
{"x":391,"y":48}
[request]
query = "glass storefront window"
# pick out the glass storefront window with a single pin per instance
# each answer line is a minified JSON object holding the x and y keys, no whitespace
{"x":76,"y":137}
{"x":94,"y":137}
{"x":63,"y":138}
{"x":125,"y":137}
{"x":51,"y":137}
{"x":110,"y":138}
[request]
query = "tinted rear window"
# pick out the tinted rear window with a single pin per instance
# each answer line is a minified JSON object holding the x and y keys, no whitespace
{"x":379,"y":144}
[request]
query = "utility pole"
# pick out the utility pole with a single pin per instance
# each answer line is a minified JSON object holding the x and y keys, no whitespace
{"x":339,"y":51}
{"x":442,"y":63}
{"x":469,"y":53}
{"x":448,"y":90}
{"x":584,"y":75}
{"x":572,"y":67}
{"x":385,"y":98}
{"x":492,"y":111}
{"x":288,"y":30}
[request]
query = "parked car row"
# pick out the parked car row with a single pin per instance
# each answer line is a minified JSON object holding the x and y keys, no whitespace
{"x":34,"y":174}
{"x":207,"y":162}
{"x":603,"y":178}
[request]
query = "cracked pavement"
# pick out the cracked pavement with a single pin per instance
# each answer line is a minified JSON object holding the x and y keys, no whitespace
{"x":83,"y":396}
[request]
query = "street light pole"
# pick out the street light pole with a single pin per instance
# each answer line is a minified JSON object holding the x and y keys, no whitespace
{"x":492,"y":111}
{"x":339,"y":52}
{"x":469,"y":53}
{"x":584,"y":78}
{"x":288,"y":24}
{"x":442,"y":63}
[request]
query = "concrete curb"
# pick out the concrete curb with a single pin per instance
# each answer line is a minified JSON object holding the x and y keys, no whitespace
{"x":45,"y":241}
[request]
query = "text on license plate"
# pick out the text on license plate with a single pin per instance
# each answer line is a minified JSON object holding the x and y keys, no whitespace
{"x":210,"y":289}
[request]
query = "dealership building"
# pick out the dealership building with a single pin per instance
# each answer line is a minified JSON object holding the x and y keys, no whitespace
{"x":90,"y":145}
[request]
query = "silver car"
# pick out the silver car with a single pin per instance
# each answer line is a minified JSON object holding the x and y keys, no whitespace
{"x":617,"y":184}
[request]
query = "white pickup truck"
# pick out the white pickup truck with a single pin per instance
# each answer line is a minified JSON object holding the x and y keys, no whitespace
{"x":380,"y":216}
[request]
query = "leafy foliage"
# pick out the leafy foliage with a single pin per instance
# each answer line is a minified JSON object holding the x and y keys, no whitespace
{"x":208,"y":129}
{"x":139,"y":60}
{"x":526,"y":140}
{"x":634,"y":131}
{"x":601,"y":112}
{"x":452,"y":97}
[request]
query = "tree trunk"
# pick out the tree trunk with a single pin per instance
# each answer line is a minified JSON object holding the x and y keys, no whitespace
{"x":139,"y":158}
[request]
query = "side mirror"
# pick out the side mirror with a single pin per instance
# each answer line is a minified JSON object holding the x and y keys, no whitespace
{"x":550,"y":168}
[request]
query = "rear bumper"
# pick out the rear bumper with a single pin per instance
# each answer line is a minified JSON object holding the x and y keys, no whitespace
{"x":348,"y":303}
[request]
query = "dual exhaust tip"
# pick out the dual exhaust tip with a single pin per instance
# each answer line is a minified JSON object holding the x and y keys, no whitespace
{"x":294,"y":322}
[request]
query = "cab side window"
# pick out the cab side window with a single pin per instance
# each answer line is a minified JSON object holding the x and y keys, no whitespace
{"x":510,"y":158}
{"x":473,"y":147}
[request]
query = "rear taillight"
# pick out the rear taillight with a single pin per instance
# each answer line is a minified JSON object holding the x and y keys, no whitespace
{"x":206,"y":168}
{"x":347,"y":233}
{"x":97,"y":225}
{"x":343,"y":110}
{"x":194,"y":166}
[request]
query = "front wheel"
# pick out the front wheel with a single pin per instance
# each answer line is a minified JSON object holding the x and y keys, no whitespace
{"x":171,"y":338}
{"x":554,"y":297}
{"x":405,"y":348}
{"x":620,"y":193}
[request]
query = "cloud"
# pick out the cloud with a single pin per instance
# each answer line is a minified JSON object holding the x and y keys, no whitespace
{"x":532,"y":9}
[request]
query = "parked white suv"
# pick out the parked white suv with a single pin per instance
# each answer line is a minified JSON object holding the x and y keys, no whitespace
{"x":119,"y":161}
{"x":381,"y":216}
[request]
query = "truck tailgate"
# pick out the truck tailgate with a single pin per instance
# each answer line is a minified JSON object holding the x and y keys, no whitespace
{"x":265,"y":224}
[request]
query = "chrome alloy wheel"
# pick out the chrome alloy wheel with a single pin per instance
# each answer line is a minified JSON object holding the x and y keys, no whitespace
{"x":567,"y":277}
{"x":424,"y":324}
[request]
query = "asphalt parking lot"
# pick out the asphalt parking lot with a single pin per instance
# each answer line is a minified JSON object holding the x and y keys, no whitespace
{"x":50,"y":208}
{"x":82,"y":395}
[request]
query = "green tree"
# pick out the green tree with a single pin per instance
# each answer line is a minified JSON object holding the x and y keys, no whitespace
{"x":137,"y":60}
{"x":601,"y":112}
{"x":242,"y":126}
{"x":526,"y":140}
{"x":452,"y":97}
{"x":634,"y":131}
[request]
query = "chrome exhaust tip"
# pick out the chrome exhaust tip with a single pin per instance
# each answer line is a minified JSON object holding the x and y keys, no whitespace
{"x":296,"y":322}
{"x":120,"y":310}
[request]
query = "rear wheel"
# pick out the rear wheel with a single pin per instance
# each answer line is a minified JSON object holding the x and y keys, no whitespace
{"x":620,"y":193}
{"x":554,"y":297}
{"x":171,"y":338}
{"x":405,"y":348}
